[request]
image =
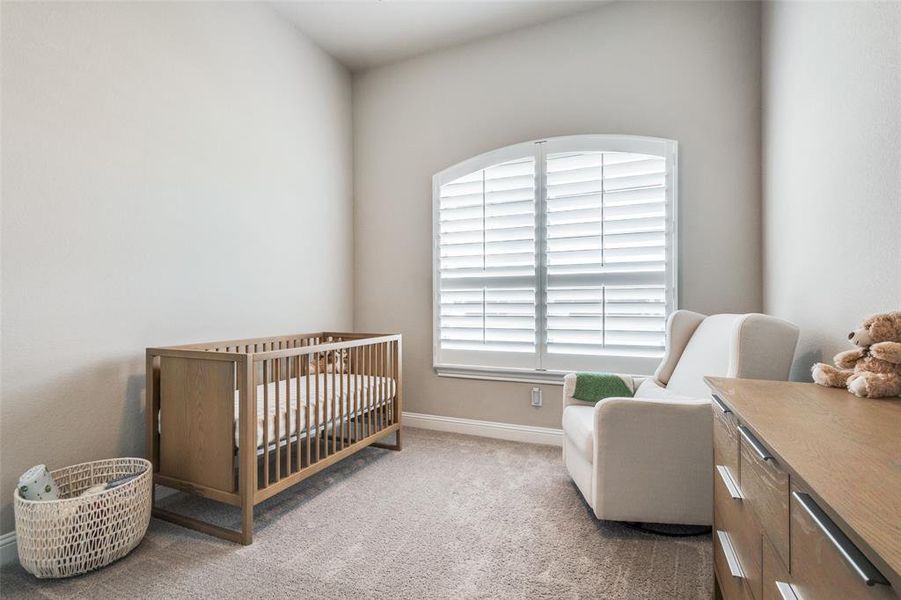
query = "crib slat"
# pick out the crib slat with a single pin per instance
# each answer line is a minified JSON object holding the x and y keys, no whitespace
{"x":376,"y":348}
{"x":345,"y":400}
{"x":334,"y":418}
{"x":396,"y":379}
{"x":383,"y":382}
{"x":385,"y":385}
{"x":288,"y":457}
{"x":358,"y":386}
{"x":298,"y":464}
{"x":319,"y":407}
{"x":378,"y":387}
{"x":373,"y":388}
{"x":369,"y":388}
{"x":351,"y":373}
{"x":265,"y":423}
{"x":389,"y":353}
{"x":349,"y":387}
{"x":373,"y":424}
{"x":309,"y":401}
{"x":364,"y":379}
{"x":388,"y":380}
{"x":336,"y":422}
{"x":362,"y":398}
{"x":329,"y":407}
{"x":323,"y":357}
{"x":287,"y":415}
{"x":326,"y":402}
{"x":276,"y":417}
{"x":377,"y":369}
{"x":339,"y":394}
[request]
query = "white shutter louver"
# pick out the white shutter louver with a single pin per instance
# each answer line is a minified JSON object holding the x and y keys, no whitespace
{"x":555,"y":255}
{"x":606,"y":253}
{"x":486,"y":266}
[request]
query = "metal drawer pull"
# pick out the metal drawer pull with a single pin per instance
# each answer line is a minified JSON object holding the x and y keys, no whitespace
{"x":852,"y":555}
{"x":786,"y":591}
{"x":729,"y":553}
{"x":730,"y":483}
{"x":759,"y":448}
{"x":721,"y":405}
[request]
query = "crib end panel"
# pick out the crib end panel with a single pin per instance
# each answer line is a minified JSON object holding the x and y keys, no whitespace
{"x":196,"y":418}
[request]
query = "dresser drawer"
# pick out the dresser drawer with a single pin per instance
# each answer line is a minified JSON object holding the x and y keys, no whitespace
{"x":735,"y":527}
{"x":764,"y":485}
{"x":776,"y":580}
{"x":733,"y":584}
{"x":728,"y":573}
{"x":824,"y":562}
{"x":725,"y":437}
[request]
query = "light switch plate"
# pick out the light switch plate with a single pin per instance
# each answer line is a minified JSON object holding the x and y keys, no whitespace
{"x":536,"y":396}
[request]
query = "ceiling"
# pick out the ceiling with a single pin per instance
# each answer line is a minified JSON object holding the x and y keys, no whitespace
{"x":367,"y":33}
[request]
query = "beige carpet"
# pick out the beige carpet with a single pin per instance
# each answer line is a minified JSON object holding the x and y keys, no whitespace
{"x":449,"y":517}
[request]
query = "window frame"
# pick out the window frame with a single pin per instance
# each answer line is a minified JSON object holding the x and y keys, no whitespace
{"x":539,"y":149}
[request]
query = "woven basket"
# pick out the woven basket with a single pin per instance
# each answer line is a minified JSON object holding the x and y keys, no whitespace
{"x":72,"y":535}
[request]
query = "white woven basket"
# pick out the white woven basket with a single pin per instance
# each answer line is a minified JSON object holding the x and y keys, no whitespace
{"x":72,"y":535}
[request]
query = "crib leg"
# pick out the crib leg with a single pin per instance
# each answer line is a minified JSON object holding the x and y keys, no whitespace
{"x":247,"y":470}
{"x":247,"y":524}
{"x":395,"y":446}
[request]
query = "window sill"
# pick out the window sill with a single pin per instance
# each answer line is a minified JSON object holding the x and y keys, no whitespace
{"x":501,"y":374}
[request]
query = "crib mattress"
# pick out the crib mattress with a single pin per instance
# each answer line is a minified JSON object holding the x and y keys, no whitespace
{"x":378,"y":389}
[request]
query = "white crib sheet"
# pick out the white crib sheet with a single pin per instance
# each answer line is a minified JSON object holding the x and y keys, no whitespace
{"x":381,"y":390}
{"x":378,"y":390}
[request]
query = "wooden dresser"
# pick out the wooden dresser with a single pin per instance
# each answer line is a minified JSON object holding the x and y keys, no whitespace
{"x":807,"y":492}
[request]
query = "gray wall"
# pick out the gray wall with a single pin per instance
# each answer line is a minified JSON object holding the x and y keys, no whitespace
{"x":832,"y":168}
{"x":171,"y":173}
{"x":682,"y":70}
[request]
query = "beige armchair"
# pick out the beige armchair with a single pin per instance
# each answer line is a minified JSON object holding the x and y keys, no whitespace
{"x":649,"y":458}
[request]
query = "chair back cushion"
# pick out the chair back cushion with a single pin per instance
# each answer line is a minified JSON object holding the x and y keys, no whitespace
{"x":708,"y":352}
{"x":750,"y":346}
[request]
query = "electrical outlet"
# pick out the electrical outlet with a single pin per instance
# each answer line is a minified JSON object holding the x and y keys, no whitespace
{"x":536,"y":396}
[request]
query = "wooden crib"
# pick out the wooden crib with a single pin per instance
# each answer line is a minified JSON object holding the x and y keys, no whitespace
{"x":299,"y":402}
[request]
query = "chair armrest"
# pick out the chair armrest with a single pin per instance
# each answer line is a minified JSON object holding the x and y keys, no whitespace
{"x":664,"y":445}
{"x":569,"y":387}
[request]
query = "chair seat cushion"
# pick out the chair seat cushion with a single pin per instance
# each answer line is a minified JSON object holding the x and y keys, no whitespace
{"x":651,"y":390}
{"x":578,"y":426}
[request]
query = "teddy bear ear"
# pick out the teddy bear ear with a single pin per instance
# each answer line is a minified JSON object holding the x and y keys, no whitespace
{"x":886,"y":327}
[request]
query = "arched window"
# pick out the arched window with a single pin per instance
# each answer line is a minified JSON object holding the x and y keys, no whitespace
{"x":555,"y":255}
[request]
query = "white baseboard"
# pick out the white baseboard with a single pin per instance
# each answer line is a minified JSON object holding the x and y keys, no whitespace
{"x":490,"y":429}
{"x":8,"y":552}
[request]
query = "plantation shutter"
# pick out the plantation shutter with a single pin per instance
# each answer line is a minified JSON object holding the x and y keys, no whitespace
{"x":487,"y":265}
{"x":606,"y":254}
{"x":558,"y":256}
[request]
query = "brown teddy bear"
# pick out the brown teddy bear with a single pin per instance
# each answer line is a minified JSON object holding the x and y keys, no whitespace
{"x":873,"y":369}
